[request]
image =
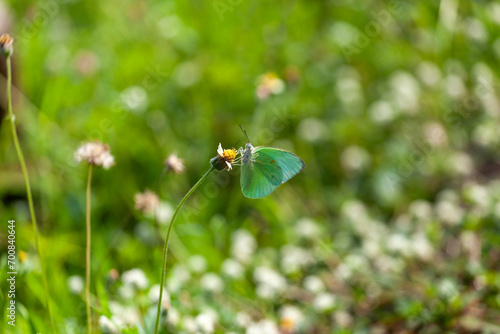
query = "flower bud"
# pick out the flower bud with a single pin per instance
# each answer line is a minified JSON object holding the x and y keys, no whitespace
{"x":6,"y":45}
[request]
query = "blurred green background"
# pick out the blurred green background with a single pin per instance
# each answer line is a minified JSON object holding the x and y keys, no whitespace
{"x":393,"y":227}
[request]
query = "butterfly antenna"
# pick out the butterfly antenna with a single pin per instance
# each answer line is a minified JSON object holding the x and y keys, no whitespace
{"x":245,"y":133}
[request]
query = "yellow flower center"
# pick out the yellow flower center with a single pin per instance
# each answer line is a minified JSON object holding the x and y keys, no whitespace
{"x":5,"y":39}
{"x":287,"y":324}
{"x":229,"y":155}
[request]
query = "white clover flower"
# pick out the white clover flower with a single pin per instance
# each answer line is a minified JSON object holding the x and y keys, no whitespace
{"x":405,"y":91}
{"x":485,"y":134}
{"x":265,"y":326}
{"x":349,"y":89}
{"x":212,"y":282}
{"x":269,"y":282}
{"x":146,"y":202}
{"x":342,"y":318}
{"x":496,"y":210}
{"x":494,"y":12}
{"x":164,"y":213}
{"x":135,"y":278}
{"x":197,"y":263}
{"x":189,"y":324}
{"x":421,"y":246}
{"x":461,"y":163}
{"x":449,"y":212}
{"x":313,"y":284}
{"x":127,"y":292}
{"x":454,"y":85}
{"x":291,"y":318}
{"x":398,"y":243}
{"x":429,"y":73}
{"x":173,"y":316}
{"x":179,"y":276}
{"x":372,"y":247}
{"x":154,"y":295}
{"x":307,"y":229}
{"x":479,"y":195}
{"x":421,"y":209}
{"x":343,"y":272}
{"x":107,"y":326}
{"x":243,"y":245}
{"x":354,"y":158}
{"x":174,"y":164}
{"x":389,"y":264}
{"x":187,"y":73}
{"x":436,"y":134}
{"x":294,"y":258}
{"x":382,"y":112}
{"x":354,"y":210}
{"x":95,"y":153}
{"x":135,"y":99}
{"x":476,"y":30}
{"x":324,"y":302}
{"x":243,"y":319}
{"x":447,"y":288}
{"x":232,"y":268}
{"x":124,"y":316}
{"x":356,"y":262}
{"x":205,"y":322}
{"x":75,"y":284}
{"x":312,"y":129}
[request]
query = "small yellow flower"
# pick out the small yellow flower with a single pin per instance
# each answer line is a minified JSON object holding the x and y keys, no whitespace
{"x":224,"y":159}
{"x":23,"y":256}
{"x":268,"y":84}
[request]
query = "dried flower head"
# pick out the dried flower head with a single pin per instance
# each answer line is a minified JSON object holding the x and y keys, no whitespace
{"x":6,"y":45}
{"x":95,"y":153}
{"x":146,"y":202}
{"x":223,"y":159}
{"x":174,"y":163}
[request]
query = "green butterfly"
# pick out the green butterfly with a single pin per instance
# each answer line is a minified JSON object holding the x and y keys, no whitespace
{"x":266,"y":168}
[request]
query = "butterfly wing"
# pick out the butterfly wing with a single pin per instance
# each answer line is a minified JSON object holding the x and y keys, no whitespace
{"x":267,"y":169}
{"x":291,"y":164}
{"x":259,"y":177}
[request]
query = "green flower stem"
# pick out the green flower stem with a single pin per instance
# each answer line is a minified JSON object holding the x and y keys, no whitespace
{"x":167,"y":239}
{"x":28,"y":190}
{"x":87,"y":256}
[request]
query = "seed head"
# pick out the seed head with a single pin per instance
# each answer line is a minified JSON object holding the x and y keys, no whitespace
{"x":175,"y":164}
{"x":146,"y":202}
{"x":95,"y":153}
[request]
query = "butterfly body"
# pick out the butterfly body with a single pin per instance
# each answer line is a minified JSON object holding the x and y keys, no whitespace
{"x":266,"y":168}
